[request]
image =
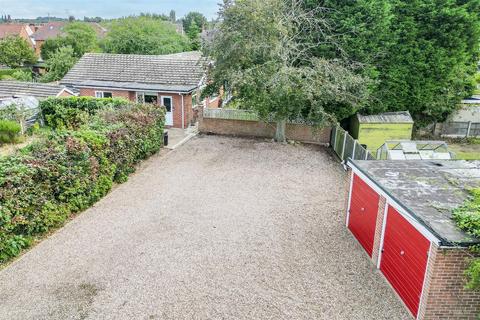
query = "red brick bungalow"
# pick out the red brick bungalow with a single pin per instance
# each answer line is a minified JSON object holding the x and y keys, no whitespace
{"x":171,"y":80}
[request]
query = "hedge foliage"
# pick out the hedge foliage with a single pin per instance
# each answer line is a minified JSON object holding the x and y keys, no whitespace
{"x":73,"y":166}
{"x":468,"y":219}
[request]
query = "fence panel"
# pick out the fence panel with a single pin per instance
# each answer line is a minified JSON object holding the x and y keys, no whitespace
{"x":455,"y":129}
{"x":230,"y":114}
{"x":345,"y":146}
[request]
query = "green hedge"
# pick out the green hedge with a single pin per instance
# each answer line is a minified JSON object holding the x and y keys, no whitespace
{"x":69,"y":170}
{"x":73,"y":112}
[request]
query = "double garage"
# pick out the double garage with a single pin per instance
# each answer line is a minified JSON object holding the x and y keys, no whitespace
{"x":400,"y":213}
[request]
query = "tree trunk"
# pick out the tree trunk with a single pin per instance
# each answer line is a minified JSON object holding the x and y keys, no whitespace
{"x":280,"y":132}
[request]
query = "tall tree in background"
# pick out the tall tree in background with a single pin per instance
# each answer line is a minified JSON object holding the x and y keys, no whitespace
{"x":432,"y":57}
{"x":15,"y":52}
{"x":360,"y":32}
{"x":196,"y":17}
{"x":173,"y":16}
{"x":59,"y":64}
{"x":78,"y":35}
{"x":142,"y":35}
{"x":193,"y":33}
{"x":264,"y":50}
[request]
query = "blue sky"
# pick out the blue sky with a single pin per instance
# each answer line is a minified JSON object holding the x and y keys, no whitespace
{"x":104,"y":8}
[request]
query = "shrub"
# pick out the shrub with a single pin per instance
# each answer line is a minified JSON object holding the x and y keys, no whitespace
{"x":9,"y":131}
{"x":70,"y":169}
{"x":468,"y":219}
{"x":71,"y":113}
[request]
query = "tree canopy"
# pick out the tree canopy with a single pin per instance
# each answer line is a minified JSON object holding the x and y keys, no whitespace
{"x":15,"y":52}
{"x":78,"y":35}
{"x":263,"y":52}
{"x":420,"y":55}
{"x":194,"y":17}
{"x":59,"y":64}
{"x":143,"y":35}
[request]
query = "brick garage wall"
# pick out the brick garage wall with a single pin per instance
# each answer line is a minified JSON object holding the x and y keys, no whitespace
{"x":260,"y":129}
{"x":445,"y":296}
{"x":382,"y":202}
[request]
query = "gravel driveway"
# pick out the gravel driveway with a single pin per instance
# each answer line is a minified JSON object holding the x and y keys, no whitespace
{"x":221,"y":228}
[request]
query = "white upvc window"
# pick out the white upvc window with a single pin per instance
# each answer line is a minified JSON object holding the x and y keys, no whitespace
{"x":103,"y":94}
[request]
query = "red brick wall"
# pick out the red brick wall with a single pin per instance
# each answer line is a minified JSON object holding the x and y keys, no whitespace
{"x":245,"y":128}
{"x":176,"y":100}
{"x":129,"y":95}
{"x":444,"y":294}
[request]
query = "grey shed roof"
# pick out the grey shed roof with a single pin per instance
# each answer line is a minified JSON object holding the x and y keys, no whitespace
{"x":174,"y":72}
{"x":429,"y":190}
{"x":33,"y":89}
{"x":387,"y":117}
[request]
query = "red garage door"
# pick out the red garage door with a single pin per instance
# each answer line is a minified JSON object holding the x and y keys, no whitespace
{"x":404,"y":258}
{"x":363,"y":213}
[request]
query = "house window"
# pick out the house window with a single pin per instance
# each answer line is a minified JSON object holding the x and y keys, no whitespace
{"x":147,"y":97}
{"x":103,"y":94}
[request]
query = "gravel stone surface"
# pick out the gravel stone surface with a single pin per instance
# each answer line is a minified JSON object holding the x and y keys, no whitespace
{"x":221,"y":228}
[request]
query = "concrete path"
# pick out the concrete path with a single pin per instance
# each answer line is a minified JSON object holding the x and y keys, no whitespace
{"x":220,"y":228}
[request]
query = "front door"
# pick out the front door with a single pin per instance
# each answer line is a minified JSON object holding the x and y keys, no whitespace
{"x":167,"y":102}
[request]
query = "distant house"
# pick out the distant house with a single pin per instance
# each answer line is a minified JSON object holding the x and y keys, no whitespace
{"x":18,"y":89}
{"x":48,"y":31}
{"x":17,"y":29}
{"x":172,"y":80}
{"x":55,"y":29}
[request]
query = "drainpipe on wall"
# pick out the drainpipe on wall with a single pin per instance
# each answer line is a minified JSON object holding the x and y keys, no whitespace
{"x":183,"y":113}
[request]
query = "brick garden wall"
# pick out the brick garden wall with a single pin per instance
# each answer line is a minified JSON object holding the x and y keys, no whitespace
{"x":260,"y":129}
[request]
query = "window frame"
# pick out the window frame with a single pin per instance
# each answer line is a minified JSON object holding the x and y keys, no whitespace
{"x":101,"y":94}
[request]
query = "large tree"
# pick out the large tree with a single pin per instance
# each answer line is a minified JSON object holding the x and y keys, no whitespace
{"x":264,"y":51}
{"x":194,"y":17}
{"x":59,"y":64}
{"x":359,"y":32}
{"x":432,"y":57}
{"x":78,"y":35}
{"x":143,"y":35}
{"x":15,"y":52}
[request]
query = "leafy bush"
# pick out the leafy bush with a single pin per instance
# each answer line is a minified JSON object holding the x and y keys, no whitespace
{"x":9,"y":131}
{"x":468,"y":219}
{"x":70,"y":169}
{"x":22,"y":75}
{"x":73,"y":112}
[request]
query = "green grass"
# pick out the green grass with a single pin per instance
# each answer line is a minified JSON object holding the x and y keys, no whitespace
{"x":466,"y":150}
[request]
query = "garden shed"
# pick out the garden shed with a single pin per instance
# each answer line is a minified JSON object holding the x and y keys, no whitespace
{"x":401,"y":214}
{"x":374,"y":130}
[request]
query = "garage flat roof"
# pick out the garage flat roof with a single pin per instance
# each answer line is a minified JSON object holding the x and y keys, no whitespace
{"x":428,"y":190}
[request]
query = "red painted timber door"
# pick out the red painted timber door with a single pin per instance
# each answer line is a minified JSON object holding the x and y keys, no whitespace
{"x":363,"y":213}
{"x":404,"y":258}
